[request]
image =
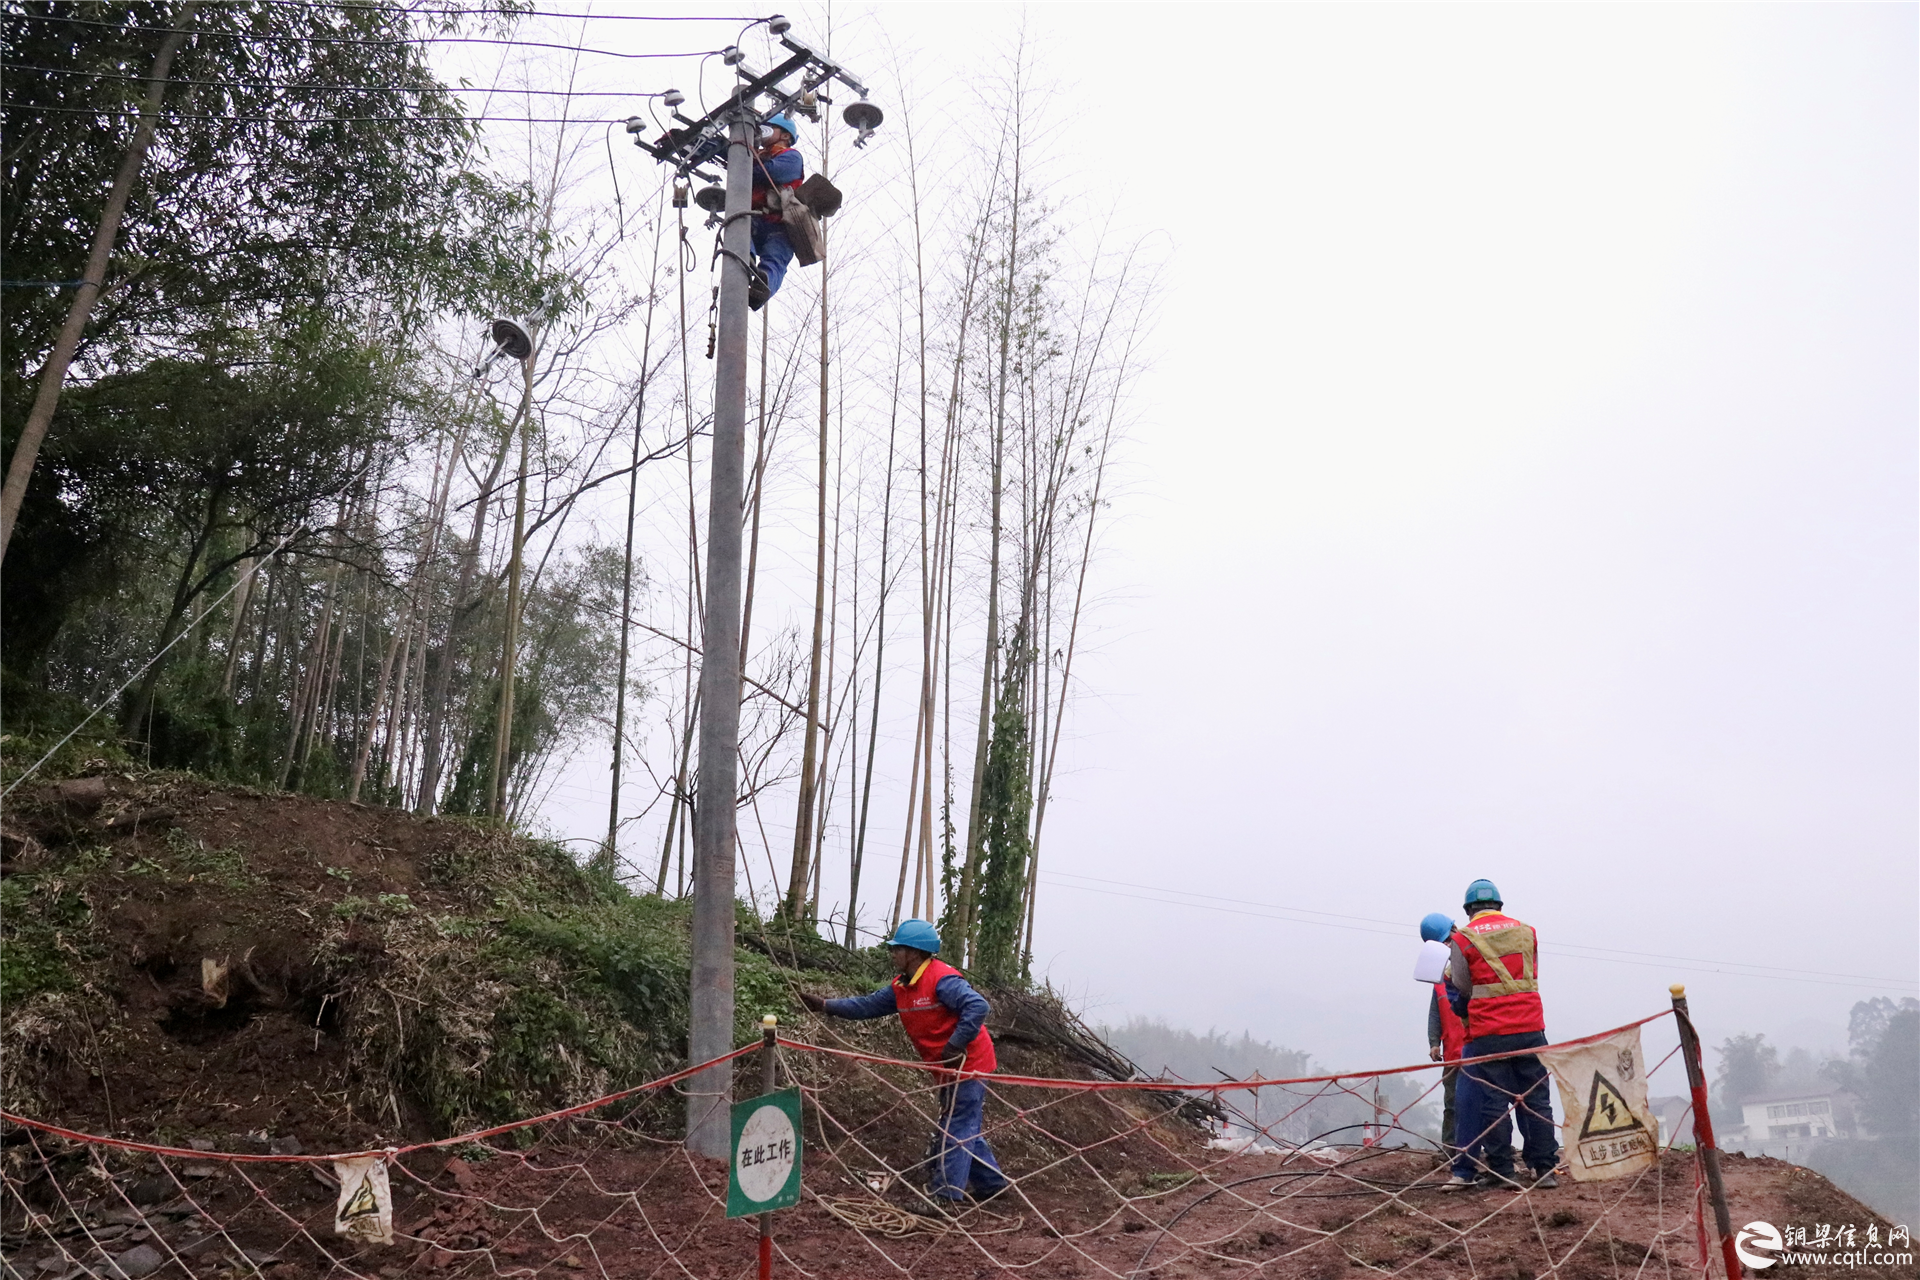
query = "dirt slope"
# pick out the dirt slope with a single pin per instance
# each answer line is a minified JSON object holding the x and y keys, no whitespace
{"x":223,"y":969}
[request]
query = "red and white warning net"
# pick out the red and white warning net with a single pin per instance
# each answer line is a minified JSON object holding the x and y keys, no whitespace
{"x":1107,"y":1178}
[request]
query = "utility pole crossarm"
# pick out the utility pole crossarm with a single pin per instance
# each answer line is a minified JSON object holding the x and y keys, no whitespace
{"x":683,"y":147}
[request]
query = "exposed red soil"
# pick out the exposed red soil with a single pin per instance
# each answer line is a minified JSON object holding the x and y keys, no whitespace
{"x":1104,"y":1186}
{"x":268,"y":1058}
{"x":622,"y":1208}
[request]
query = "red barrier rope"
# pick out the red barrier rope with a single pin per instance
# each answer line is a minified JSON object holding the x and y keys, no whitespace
{"x":1202,"y":1086}
{"x":1036,"y":1082}
{"x":236,"y":1157}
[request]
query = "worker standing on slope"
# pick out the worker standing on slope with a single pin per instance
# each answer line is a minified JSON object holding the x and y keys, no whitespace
{"x":1446,"y":1034}
{"x":1493,"y":969}
{"x":776,"y":167}
{"x":945,"y":1018}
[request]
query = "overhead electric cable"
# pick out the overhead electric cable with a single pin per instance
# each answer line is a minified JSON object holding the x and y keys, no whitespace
{"x":290,"y":118}
{"x":389,"y":41}
{"x":336,"y":88}
{"x":294,"y":118}
{"x":504,"y":12}
{"x":1569,"y":949}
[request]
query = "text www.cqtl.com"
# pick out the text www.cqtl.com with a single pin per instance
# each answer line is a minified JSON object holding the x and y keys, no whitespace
{"x":1847,"y":1258}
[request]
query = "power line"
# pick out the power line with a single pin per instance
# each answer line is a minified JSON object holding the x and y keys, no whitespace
{"x":335,"y":88}
{"x":384,"y":41}
{"x":291,"y":118}
{"x":1571,"y":950}
{"x":1398,"y":927}
{"x":504,"y":12}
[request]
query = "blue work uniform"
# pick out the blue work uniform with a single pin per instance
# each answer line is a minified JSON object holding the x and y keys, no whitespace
{"x":772,"y":251}
{"x":965,"y":1162}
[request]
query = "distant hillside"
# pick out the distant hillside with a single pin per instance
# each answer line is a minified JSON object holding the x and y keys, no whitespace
{"x":1161,"y":1048}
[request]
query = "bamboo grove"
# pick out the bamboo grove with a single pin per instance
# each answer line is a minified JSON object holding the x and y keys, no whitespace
{"x":380,"y":564}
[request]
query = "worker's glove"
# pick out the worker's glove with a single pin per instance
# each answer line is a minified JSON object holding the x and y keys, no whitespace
{"x":1434,"y":1053}
{"x":953,"y":1059}
{"x":816,"y":1003}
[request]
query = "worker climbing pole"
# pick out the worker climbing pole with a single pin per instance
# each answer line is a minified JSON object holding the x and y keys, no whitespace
{"x":733,"y":130}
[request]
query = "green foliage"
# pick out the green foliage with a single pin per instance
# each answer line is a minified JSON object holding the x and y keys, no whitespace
{"x":308,"y":210}
{"x":468,"y":795}
{"x":187,"y":860}
{"x":86,"y":751}
{"x":39,"y":921}
{"x":1006,"y":810}
{"x":563,"y":672}
{"x":1748,"y":1068}
{"x":613,"y":945}
{"x":759,"y":987}
{"x":1890,"y":1078}
{"x":998,"y":909}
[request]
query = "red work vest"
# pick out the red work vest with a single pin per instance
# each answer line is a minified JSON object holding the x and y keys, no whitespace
{"x":763,"y":182}
{"x":1453,"y":1032}
{"x":929,"y":1024}
{"x":1502,"y":957}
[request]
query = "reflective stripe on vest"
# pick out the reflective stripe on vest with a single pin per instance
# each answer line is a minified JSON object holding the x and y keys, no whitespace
{"x":929,"y":1024}
{"x":1502,"y":1001}
{"x":1514,"y":941}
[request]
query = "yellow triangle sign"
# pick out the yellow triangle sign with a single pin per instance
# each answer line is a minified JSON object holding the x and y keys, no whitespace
{"x":362,"y":1202}
{"x":1607,"y":1111}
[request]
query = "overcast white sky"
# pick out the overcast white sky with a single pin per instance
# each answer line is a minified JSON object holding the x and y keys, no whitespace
{"x":1525,"y":488}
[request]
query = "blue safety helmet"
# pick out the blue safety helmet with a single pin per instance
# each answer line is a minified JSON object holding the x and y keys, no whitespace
{"x":784,"y":122}
{"x":1482,"y":893}
{"x":917,"y":934}
{"x":1437,"y":927}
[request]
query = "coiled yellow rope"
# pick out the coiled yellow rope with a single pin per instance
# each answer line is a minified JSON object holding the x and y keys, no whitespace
{"x":877,"y":1217}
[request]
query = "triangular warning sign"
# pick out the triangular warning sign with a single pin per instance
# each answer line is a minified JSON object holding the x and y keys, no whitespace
{"x":362,"y":1203}
{"x":1607,"y":1111}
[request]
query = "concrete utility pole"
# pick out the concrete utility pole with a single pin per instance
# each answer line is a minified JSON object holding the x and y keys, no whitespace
{"x":710,"y":1029}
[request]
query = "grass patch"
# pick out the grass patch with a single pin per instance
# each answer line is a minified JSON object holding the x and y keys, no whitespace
{"x":38,"y":921}
{"x":490,"y":978}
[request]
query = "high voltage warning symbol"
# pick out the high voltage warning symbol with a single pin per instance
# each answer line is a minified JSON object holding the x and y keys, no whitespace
{"x":1612,"y":1134}
{"x":365,"y":1208}
{"x":362,"y":1204}
{"x":1607,"y":1112}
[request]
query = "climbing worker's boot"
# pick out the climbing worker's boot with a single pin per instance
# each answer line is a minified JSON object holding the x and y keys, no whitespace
{"x":938,"y":1207}
{"x":757,"y":291}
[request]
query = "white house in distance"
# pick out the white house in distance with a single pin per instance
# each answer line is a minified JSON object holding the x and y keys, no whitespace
{"x":1795,"y":1117}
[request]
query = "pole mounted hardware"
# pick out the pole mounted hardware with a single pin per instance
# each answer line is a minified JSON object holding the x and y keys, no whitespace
{"x":683,"y":146}
{"x":510,"y":340}
{"x":865,"y":117}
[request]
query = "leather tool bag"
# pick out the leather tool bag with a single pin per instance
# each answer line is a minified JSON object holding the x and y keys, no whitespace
{"x":801,"y":209}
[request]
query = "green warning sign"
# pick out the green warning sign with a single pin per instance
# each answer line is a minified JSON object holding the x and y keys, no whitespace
{"x":766,"y":1154}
